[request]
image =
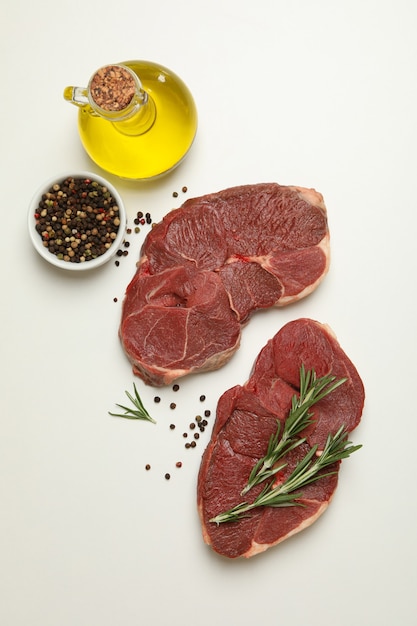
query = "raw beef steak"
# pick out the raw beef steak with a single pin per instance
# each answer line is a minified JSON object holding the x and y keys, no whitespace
{"x":209,"y":265}
{"x":246,"y":418}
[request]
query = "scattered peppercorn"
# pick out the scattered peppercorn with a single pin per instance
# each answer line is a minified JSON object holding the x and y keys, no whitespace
{"x":202,"y":398}
{"x":167,"y":476}
{"x":117,"y":263}
{"x":198,"y":418}
{"x":175,"y":387}
{"x":147,"y":467}
{"x":188,"y":445}
{"x":185,"y":435}
{"x":175,"y":194}
{"x":193,"y":444}
{"x":172,"y":405}
{"x":157,"y":399}
{"x":178,"y":464}
{"x":196,"y":435}
{"x":77,"y":219}
{"x":172,"y":426}
{"x":207,"y":413}
{"x":114,"y":299}
{"x":184,"y":189}
{"x":192,"y":425}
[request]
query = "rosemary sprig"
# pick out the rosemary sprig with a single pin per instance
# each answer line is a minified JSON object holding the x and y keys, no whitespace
{"x":140,"y":413}
{"x":312,"y":390}
{"x":306,"y":471}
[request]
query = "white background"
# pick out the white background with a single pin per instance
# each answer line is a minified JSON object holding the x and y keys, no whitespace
{"x":319,"y":94}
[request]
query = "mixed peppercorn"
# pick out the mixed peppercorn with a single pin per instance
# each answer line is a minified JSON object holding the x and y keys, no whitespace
{"x":77,"y":219}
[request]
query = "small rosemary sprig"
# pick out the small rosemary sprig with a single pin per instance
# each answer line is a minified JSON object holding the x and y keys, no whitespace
{"x":140,"y":413}
{"x":312,"y":390}
{"x":306,"y":471}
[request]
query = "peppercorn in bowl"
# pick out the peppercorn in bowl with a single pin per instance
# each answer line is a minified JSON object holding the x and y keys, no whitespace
{"x":77,"y":221}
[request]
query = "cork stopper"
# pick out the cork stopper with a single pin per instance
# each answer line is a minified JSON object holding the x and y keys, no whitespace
{"x":112,"y":88}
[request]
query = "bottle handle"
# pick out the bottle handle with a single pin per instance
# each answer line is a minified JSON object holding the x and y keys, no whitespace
{"x":76,"y":95}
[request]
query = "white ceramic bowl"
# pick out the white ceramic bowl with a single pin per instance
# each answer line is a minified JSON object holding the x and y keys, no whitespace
{"x":52,"y":258}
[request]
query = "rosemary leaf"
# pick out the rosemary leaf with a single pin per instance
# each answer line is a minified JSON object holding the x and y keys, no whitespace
{"x":312,"y":390}
{"x":306,"y":472}
{"x":139,"y":413}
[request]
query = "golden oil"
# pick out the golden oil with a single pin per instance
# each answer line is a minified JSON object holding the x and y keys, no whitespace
{"x":154,"y":140}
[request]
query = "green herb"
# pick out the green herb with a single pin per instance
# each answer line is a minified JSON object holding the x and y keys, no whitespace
{"x":312,"y":390}
{"x":140,"y":413}
{"x":306,"y":471}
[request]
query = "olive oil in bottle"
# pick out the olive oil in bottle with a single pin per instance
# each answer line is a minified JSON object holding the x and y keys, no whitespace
{"x":136,"y":120}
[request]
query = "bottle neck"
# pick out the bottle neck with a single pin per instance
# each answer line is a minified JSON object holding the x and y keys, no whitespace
{"x":115,"y":94}
{"x":139,"y":121}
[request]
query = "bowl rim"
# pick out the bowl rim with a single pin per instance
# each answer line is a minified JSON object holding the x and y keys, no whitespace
{"x":37,"y":240}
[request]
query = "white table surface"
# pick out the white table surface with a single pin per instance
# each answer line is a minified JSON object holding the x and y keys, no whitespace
{"x":320,"y":94}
